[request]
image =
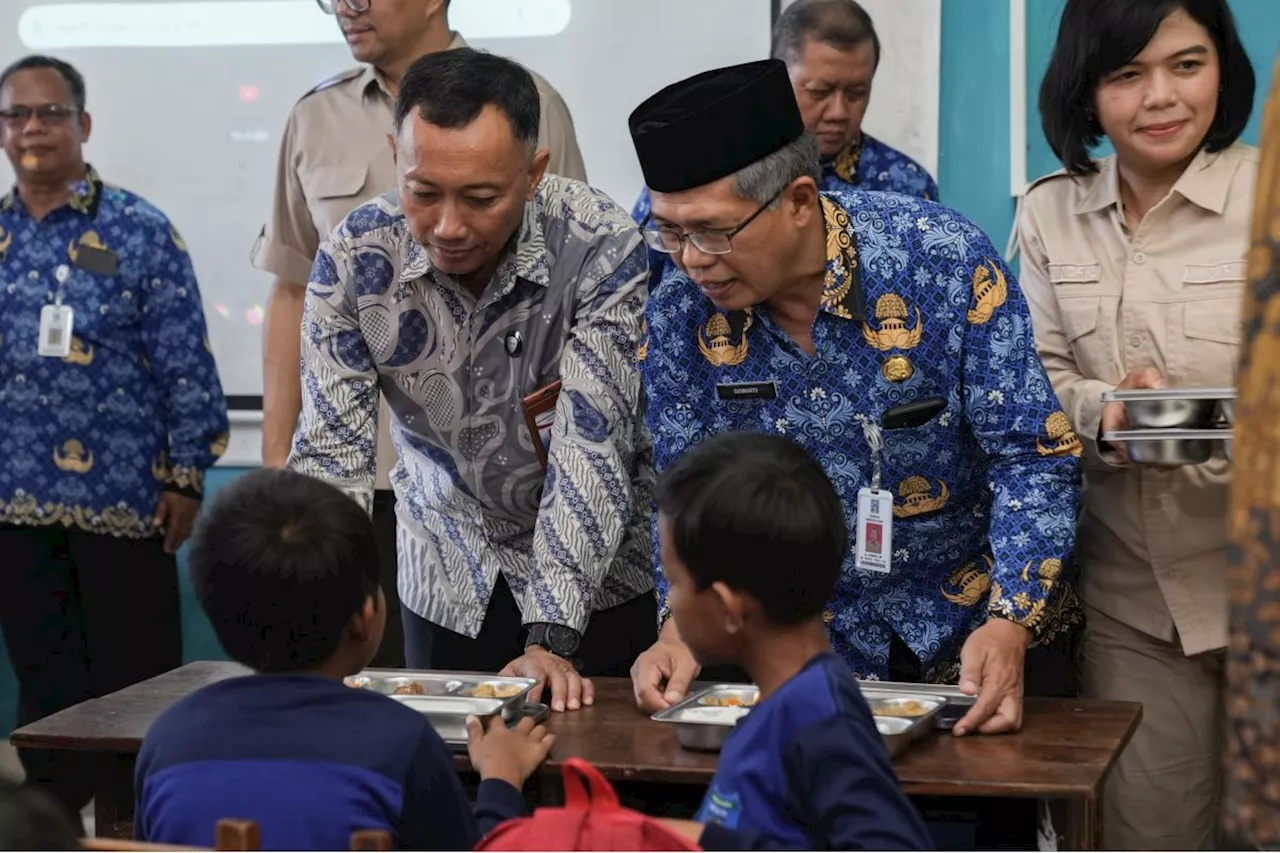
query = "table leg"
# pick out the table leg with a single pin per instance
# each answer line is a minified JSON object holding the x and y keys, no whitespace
{"x":113,"y":798}
{"x":1083,"y":829}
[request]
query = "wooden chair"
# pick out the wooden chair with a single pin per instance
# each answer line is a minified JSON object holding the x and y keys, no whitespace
{"x":230,"y":835}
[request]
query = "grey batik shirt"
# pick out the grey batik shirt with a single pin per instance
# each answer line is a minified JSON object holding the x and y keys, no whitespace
{"x":566,"y":303}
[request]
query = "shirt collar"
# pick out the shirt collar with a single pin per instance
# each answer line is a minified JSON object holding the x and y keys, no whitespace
{"x":526,"y":259}
{"x":1205,"y":183}
{"x":845,"y":163}
{"x":83,"y":198}
{"x":842,"y":289}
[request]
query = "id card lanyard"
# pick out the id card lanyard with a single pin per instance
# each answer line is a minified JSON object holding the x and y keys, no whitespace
{"x":56,"y":320}
{"x":874,"y":541}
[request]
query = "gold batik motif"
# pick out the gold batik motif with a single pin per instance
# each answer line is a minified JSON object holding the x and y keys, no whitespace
{"x":842,"y":261}
{"x":715,"y":343}
{"x":917,"y":497}
{"x":892,"y":319}
{"x":970,"y":583}
{"x":1252,"y":812}
{"x":990,"y":290}
{"x":1064,"y":441}
{"x":846,"y":162}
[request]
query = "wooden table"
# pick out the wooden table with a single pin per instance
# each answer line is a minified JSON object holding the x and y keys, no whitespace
{"x":1063,"y":753}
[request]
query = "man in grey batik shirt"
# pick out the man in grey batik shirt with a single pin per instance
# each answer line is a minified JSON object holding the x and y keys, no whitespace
{"x":479,"y":283}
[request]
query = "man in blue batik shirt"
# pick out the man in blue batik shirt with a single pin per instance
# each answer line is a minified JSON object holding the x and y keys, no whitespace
{"x":107,"y":424}
{"x":811,"y":315}
{"x":832,"y":52}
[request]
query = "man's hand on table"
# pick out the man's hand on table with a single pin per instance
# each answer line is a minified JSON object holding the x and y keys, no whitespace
{"x":991,"y":666}
{"x":568,"y":688}
{"x":661,"y":675}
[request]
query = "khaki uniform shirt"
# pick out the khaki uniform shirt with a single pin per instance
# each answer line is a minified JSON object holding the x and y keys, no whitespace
{"x":334,"y":157}
{"x":1153,"y":542}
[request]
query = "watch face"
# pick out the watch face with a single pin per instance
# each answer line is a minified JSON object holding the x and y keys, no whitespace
{"x":563,"y":641}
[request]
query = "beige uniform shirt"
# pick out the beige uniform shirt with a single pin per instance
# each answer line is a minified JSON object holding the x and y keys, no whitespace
{"x":1153,"y":542}
{"x":334,"y":157}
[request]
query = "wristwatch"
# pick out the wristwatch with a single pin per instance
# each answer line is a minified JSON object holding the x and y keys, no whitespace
{"x":558,"y":639}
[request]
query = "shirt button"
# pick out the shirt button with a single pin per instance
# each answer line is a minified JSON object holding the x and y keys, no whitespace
{"x":1135,"y":341}
{"x":1138,"y":257}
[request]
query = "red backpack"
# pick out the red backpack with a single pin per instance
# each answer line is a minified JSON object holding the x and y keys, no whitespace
{"x":591,"y":819}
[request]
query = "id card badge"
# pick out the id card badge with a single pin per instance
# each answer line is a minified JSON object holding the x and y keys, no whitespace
{"x":873,"y":541}
{"x":55,"y":331}
{"x":874,"y":548}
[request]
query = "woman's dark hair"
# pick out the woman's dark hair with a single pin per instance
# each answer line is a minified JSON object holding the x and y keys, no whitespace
{"x":280,"y":563}
{"x":1097,"y":37}
{"x":758,"y":513}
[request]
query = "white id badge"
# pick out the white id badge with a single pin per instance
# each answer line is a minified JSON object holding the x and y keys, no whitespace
{"x":55,"y":331}
{"x":875,"y":531}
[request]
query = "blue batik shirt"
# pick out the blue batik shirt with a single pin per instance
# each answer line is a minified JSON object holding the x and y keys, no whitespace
{"x":986,"y":492}
{"x":866,"y":163}
{"x":90,"y":440}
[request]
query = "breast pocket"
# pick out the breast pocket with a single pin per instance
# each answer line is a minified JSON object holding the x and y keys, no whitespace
{"x":919,"y":468}
{"x":1083,"y":309}
{"x":333,"y":191}
{"x":1209,"y":350}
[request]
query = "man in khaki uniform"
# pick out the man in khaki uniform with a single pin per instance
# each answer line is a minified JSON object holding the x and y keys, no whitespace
{"x":333,"y":158}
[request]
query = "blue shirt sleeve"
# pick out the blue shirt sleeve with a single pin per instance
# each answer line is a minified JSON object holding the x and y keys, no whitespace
{"x":843,"y":791}
{"x":177,"y":346}
{"x":436,"y":814}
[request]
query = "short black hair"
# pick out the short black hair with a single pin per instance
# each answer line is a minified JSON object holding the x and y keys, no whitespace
{"x":31,"y":819}
{"x":280,"y":563}
{"x":1096,"y":37}
{"x":73,"y":78}
{"x":758,"y":513}
{"x":450,"y":88}
{"x":842,"y":24}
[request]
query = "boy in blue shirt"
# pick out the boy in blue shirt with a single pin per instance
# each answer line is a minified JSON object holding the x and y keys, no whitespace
{"x":752,"y":536}
{"x":286,"y":567}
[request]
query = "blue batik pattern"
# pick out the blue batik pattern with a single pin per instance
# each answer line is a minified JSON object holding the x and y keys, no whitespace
{"x":90,"y":440}
{"x":985,"y":493}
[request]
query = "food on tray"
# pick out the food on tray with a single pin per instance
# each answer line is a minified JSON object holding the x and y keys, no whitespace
{"x":411,"y":688}
{"x":731,"y":701}
{"x":495,"y":691}
{"x":905,"y":708}
{"x":715,"y":714}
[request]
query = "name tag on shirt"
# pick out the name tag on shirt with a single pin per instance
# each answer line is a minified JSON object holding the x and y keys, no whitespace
{"x":95,"y":260}
{"x":747,"y":390}
{"x":874,"y":549}
{"x":56,"y":322}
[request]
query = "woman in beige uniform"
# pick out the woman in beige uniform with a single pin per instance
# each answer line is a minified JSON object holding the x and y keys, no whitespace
{"x":1134,"y":268}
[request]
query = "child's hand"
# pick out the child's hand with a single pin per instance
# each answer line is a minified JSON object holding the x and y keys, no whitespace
{"x":507,"y":754}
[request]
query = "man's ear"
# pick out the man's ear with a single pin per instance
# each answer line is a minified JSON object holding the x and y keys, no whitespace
{"x":361,"y":625}
{"x":734,"y":605}
{"x":538,"y":168}
{"x":800,"y":201}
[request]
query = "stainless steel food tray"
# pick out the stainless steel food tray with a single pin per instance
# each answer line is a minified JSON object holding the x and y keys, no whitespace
{"x":1174,"y":408}
{"x":538,"y":711}
{"x":449,"y":690}
{"x":957,"y":704}
{"x":1172,"y":447}
{"x":703,"y":723}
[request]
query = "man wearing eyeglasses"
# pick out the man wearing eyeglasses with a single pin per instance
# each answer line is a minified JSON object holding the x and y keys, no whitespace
{"x":110,"y":413}
{"x":832,"y":52}
{"x":333,"y":158}
{"x":884,"y":334}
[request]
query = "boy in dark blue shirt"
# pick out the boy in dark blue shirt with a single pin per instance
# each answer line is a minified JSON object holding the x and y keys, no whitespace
{"x":286,"y":567}
{"x":752,"y":537}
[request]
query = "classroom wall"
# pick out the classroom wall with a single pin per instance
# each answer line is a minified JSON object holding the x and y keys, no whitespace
{"x":973,"y":165}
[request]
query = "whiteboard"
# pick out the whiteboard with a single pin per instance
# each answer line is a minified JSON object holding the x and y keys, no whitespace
{"x":189,"y":99}
{"x":905,"y":99}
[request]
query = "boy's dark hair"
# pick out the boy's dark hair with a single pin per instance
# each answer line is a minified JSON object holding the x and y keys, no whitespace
{"x":1097,"y":37}
{"x":31,"y":819}
{"x":842,"y":24}
{"x":281,"y":562}
{"x":451,"y":87}
{"x":757,"y":512}
{"x":73,"y":78}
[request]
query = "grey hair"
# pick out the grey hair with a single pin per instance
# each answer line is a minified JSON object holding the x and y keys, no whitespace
{"x":766,"y":178}
{"x":842,"y":24}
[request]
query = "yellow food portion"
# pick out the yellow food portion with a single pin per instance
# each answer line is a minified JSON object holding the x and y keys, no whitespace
{"x":909,"y":708}
{"x":413,"y":688}
{"x":727,"y":701}
{"x":495,"y":691}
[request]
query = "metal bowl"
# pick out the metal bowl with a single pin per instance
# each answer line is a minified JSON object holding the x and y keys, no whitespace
{"x":1228,"y":408}
{"x":1170,"y":452}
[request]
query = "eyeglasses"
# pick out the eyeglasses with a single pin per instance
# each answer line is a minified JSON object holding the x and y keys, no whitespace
{"x":47,"y":113}
{"x":330,"y":7}
{"x":669,"y":241}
